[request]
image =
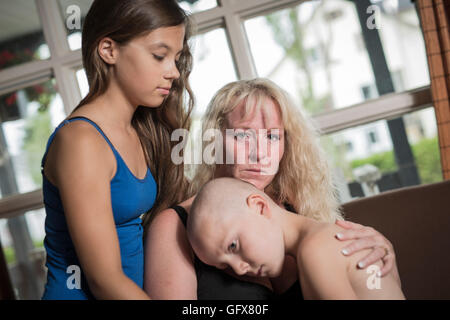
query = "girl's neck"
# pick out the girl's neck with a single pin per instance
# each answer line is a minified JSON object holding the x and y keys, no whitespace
{"x":112,"y":108}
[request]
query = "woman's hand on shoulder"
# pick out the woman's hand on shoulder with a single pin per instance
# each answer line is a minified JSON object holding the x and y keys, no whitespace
{"x":369,"y":238}
{"x":169,"y":262}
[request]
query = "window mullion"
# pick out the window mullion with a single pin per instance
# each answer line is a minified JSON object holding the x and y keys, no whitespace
{"x":239,"y":46}
{"x":53,"y":27}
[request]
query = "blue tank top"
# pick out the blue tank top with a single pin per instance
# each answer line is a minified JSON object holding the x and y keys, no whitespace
{"x":130,"y":198}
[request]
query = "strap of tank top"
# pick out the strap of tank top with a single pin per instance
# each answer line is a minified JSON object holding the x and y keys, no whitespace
{"x":68,"y":121}
{"x":181,"y":213}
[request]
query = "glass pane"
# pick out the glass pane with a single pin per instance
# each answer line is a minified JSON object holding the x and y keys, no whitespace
{"x":351,"y":150}
{"x":22,"y":240}
{"x":213,"y":67}
{"x":21,"y":36}
{"x":403,"y":44}
{"x":74,"y":12}
{"x":316,"y":52}
{"x":27,"y":118}
{"x":82,"y":83}
{"x":197,"y":5}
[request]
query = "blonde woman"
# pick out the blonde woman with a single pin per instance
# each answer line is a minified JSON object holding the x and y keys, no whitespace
{"x":257,"y":121}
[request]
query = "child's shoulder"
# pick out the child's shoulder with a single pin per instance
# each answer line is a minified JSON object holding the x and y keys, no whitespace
{"x":320,"y":241}
{"x":321,"y":232}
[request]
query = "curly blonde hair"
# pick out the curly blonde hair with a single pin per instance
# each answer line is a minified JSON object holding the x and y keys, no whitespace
{"x":303,"y":179}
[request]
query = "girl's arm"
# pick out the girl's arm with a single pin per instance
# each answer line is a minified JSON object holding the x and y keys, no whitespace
{"x":169,"y":268}
{"x":82,"y":170}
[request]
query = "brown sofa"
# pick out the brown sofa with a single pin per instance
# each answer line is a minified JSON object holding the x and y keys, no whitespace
{"x":417,"y":222}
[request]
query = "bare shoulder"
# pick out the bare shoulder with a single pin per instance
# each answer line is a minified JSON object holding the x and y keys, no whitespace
{"x":165,"y":220}
{"x":79,"y":146}
{"x":320,"y":241}
{"x":320,"y":245}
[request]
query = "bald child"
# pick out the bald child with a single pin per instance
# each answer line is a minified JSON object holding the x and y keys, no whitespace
{"x":234,"y":224}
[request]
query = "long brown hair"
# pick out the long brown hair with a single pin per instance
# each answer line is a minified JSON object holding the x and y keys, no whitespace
{"x":122,"y":21}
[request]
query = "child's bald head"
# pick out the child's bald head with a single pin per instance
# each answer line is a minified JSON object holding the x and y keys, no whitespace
{"x":230,"y":223}
{"x":221,"y":199}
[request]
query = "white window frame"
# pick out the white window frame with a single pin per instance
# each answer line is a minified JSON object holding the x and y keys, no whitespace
{"x":230,"y":15}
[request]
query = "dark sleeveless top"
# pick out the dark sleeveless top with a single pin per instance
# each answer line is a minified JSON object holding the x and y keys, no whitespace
{"x":214,"y":284}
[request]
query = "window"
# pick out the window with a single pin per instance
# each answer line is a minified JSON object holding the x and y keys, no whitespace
{"x":281,"y":45}
{"x":21,"y":36}
{"x":213,"y":67}
{"x":373,"y":138}
{"x":372,"y":143}
{"x":29,"y":115}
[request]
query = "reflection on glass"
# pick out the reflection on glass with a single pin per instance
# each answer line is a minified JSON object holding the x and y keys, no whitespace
{"x":28,"y":117}
{"x":21,"y":36}
{"x":73,"y":13}
{"x":22,"y":240}
{"x":316,"y":52}
{"x":197,"y":5}
{"x":371,"y":144}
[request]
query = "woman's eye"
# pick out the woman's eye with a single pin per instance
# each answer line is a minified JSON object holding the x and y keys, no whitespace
{"x":274,"y":137}
{"x":241,"y":135}
{"x":159,"y":58}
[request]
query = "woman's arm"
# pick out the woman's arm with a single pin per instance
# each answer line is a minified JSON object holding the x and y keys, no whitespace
{"x":169,"y":271}
{"x":82,"y":169}
{"x":369,"y":238}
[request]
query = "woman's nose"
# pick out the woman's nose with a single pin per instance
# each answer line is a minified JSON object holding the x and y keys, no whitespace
{"x":258,"y":149}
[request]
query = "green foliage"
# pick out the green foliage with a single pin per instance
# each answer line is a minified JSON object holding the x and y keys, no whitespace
{"x":426,"y":155}
{"x":428,"y":160}
{"x":10,"y":255}
{"x":384,"y":161}
{"x":37,"y":130}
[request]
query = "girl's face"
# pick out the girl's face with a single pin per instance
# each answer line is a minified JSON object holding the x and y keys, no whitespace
{"x":146,"y":66}
{"x":256,"y":143}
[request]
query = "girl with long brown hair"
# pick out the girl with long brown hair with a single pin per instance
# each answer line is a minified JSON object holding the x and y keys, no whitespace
{"x":109,"y":161}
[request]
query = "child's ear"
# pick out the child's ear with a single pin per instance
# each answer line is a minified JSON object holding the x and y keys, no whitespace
{"x":260,"y":204}
{"x":108,"y":50}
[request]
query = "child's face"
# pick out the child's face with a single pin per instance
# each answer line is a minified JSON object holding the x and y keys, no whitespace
{"x":146,"y":66}
{"x":248,"y":243}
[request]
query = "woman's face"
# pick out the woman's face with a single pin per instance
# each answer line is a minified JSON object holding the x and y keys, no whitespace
{"x":255,"y":142}
{"x":146,"y":66}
